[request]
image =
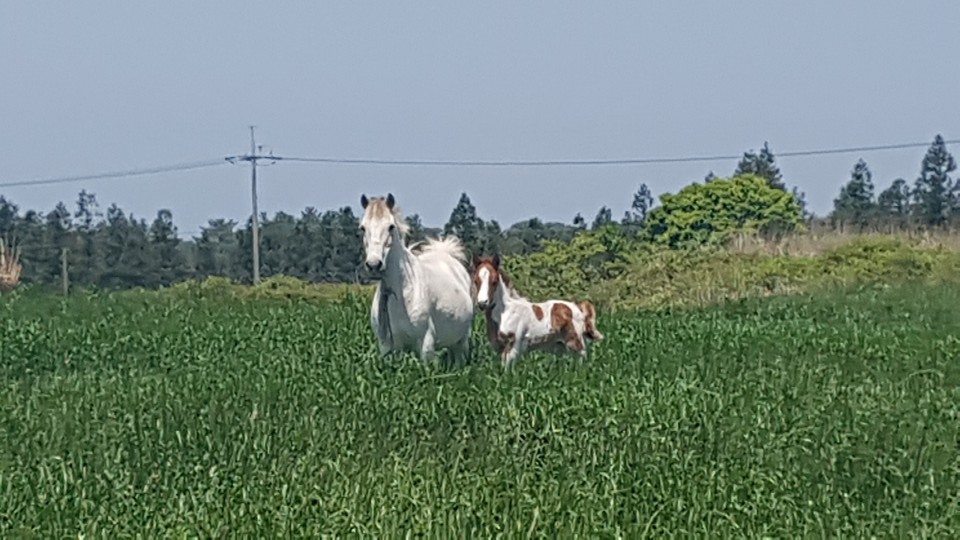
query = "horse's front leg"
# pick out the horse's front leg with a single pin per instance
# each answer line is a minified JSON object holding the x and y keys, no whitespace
{"x":428,"y":343}
{"x":460,"y":351}
{"x":380,"y":322}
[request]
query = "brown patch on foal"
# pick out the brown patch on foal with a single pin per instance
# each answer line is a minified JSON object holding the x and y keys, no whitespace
{"x":538,"y":312}
{"x":561,"y":322}
{"x":560,"y":316}
{"x":590,"y":320}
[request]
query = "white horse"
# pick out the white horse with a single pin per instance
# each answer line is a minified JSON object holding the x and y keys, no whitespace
{"x":516,"y":325}
{"x":423,"y":301}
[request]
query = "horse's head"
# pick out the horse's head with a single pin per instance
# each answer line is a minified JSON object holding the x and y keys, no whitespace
{"x":487,"y":276}
{"x":382,"y":227}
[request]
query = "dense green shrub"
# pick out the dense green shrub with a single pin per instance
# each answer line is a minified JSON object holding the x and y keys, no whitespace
{"x":711,"y":213}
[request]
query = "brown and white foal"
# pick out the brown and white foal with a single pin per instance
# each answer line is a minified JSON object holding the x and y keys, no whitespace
{"x":516,"y":325}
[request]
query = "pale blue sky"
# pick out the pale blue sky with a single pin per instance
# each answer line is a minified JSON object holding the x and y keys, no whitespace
{"x":101,"y":86}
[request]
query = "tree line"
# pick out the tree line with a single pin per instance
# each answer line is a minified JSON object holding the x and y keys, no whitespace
{"x":933,"y":201}
{"x":115,"y":249}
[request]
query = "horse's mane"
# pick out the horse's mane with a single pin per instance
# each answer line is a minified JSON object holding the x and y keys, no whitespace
{"x":450,"y":245}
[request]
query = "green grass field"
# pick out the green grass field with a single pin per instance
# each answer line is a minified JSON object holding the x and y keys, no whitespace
{"x":161,"y":416}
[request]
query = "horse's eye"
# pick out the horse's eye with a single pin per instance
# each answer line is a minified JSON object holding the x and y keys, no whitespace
{"x":392,"y":227}
{"x":362,"y":228}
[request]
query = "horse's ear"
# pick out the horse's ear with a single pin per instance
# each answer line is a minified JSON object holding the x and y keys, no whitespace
{"x":390,"y":201}
{"x":364,"y":201}
{"x":496,"y":261}
{"x":476,"y":260}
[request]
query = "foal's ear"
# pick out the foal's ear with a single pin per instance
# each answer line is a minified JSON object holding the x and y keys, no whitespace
{"x":364,"y":201}
{"x":476,"y":260}
{"x":390,"y":201}
{"x":496,"y":261}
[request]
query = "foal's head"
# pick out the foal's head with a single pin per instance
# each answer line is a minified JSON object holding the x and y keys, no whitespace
{"x":487,"y":276}
{"x":382,"y":227}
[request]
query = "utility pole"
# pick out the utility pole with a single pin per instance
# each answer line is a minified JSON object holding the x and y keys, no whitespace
{"x":256,"y":217}
{"x":64,"y":275}
{"x":253,"y":157}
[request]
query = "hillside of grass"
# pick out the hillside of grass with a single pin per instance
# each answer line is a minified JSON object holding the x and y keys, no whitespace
{"x":685,"y":278}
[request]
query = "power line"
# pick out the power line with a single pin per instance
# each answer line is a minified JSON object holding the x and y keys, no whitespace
{"x":458,"y":163}
{"x":118,"y":174}
{"x":626,"y":161}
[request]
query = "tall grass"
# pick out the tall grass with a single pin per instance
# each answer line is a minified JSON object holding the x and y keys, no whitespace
{"x":174,"y":416}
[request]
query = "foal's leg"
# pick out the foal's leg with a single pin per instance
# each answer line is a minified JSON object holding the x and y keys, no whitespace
{"x":512,"y":350}
{"x":586,"y":349}
{"x":573,"y":340}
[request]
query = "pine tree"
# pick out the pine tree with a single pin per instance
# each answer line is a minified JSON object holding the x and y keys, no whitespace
{"x":855,"y":204}
{"x":309,"y":245}
{"x":934,"y":192}
{"x":604,"y":217}
{"x":8,"y":217}
{"x":893,"y":204}
{"x":465,"y":224}
{"x":642,"y":203}
{"x":801,"y":199}
{"x":58,"y":232}
{"x":579,"y":222}
{"x":416,"y":232}
{"x":347,"y":246}
{"x":166,"y":260}
{"x":491,"y":238}
{"x":86,"y":256}
{"x":125,"y":251}
{"x":763,"y":165}
{"x":633,"y":219}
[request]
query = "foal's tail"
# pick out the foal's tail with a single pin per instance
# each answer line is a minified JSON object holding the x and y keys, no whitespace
{"x":590,"y":321}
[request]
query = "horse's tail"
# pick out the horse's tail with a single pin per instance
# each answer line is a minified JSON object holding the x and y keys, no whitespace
{"x":590,"y":320}
{"x":450,"y":245}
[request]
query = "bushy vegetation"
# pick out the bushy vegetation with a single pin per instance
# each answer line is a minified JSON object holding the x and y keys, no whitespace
{"x":163,"y":415}
{"x":711,"y":213}
{"x":618,"y":273}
